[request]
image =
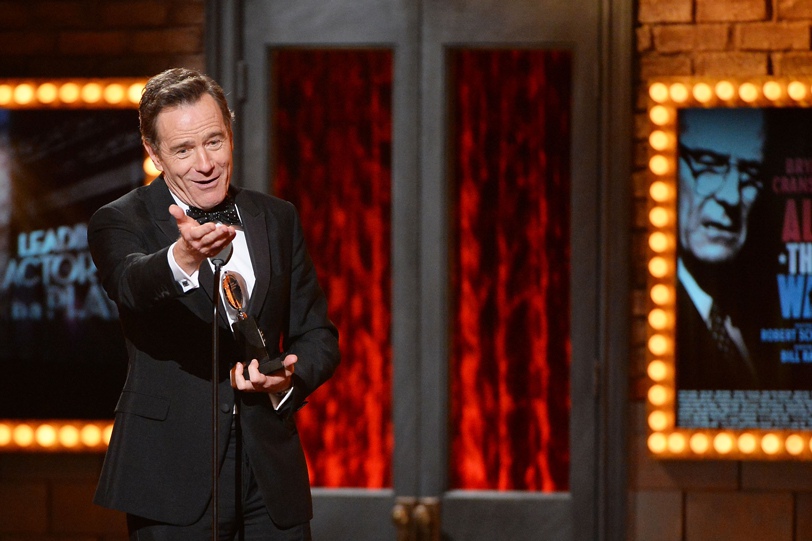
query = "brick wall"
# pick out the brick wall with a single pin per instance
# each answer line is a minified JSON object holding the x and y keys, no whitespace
{"x":709,"y":500}
{"x":47,"y":497}
{"x":96,"y":38}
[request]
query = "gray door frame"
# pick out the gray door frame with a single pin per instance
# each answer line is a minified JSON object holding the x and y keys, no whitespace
{"x":419,"y":33}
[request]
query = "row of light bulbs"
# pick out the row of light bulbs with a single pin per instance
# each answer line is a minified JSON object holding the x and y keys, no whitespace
{"x":58,"y":435}
{"x":664,"y":439}
{"x":726,"y":93}
{"x":73,"y":93}
{"x":55,"y":435}
{"x":728,"y":444}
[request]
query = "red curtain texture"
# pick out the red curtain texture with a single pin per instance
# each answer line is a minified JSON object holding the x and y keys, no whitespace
{"x":511,"y":346}
{"x":511,"y":350}
{"x":333,"y":141}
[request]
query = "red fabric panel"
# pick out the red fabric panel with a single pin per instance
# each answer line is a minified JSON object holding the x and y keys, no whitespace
{"x":511,"y":340}
{"x":333,"y":139}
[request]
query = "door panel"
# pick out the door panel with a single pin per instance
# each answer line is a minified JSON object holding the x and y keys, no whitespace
{"x":420,"y":36}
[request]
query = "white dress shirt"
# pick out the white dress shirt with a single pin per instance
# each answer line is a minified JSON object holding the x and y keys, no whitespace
{"x":238,"y":263}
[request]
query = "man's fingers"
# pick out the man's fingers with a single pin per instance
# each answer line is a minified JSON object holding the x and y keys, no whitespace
{"x":177,"y":213}
{"x":289,"y":363}
{"x":237,"y":379}
{"x":253,"y":372}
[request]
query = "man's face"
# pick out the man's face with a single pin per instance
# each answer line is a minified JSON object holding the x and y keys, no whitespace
{"x":194,"y":152}
{"x":719,"y":181}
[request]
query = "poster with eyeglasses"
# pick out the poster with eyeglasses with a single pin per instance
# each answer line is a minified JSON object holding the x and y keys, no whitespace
{"x":743,"y":347}
{"x":61,"y":345}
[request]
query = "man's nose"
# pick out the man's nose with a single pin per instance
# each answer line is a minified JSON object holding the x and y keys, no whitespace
{"x":729,"y":192}
{"x":203,"y":161}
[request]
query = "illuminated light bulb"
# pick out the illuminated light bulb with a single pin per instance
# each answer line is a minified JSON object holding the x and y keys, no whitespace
{"x":748,"y":92}
{"x":657,"y":370}
{"x":114,"y":93}
{"x":660,"y":191}
{"x":92,"y":93}
{"x":772,"y":90}
{"x":703,"y":92}
{"x":725,"y":90}
{"x":747,"y":443}
{"x":659,"y":241}
{"x":771,"y":444}
{"x":5,"y":434}
{"x":659,"y":115}
{"x":794,"y":444}
{"x":149,"y":168}
{"x":676,"y":442}
{"x":45,"y":435}
{"x":699,"y":443}
{"x":134,"y":92}
{"x":24,"y":94}
{"x":23,"y":435}
{"x":47,"y":93}
{"x":658,"y":421}
{"x":659,"y":140}
{"x":657,"y":443}
{"x":723,"y":443}
{"x":107,"y":433}
{"x":69,"y":436}
{"x":6,"y":94}
{"x":69,"y":92}
{"x":662,"y":294}
{"x":659,"y":319}
{"x":796,"y":90}
{"x":679,"y":92}
{"x":657,"y":395}
{"x":658,"y":267}
{"x":659,"y":217}
{"x":658,"y":165}
{"x":658,"y":92}
{"x":90,"y":435}
{"x":658,"y":344}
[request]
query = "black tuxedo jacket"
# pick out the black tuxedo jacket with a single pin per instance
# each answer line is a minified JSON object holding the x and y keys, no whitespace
{"x":158,"y":464}
{"x":700,"y":364}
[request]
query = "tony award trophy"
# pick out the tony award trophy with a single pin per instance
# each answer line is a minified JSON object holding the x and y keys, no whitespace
{"x":246,"y":331}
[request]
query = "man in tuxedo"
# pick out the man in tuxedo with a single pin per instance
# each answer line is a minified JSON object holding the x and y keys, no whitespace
{"x":721,"y":152}
{"x":155,"y":261}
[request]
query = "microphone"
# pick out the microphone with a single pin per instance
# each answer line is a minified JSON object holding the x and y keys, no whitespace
{"x":222,"y":258}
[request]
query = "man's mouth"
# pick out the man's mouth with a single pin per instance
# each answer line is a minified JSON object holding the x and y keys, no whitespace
{"x":205,"y":182}
{"x":721,"y":227}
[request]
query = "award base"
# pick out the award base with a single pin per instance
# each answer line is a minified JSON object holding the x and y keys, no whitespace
{"x":248,"y":335}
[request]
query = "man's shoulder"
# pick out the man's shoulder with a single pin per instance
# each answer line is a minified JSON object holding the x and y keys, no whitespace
{"x":133,"y":204}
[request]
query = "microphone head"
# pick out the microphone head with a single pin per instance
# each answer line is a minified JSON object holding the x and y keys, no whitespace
{"x":223,"y":257}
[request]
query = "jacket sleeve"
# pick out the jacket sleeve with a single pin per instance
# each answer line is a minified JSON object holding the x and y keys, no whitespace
{"x":133,"y":268}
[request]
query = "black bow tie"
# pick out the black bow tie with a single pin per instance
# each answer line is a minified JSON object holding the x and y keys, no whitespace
{"x":225,"y":213}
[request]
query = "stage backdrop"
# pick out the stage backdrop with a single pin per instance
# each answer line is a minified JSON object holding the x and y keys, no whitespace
{"x":61,"y":347}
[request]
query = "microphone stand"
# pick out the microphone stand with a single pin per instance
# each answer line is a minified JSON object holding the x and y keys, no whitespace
{"x":218,"y":261}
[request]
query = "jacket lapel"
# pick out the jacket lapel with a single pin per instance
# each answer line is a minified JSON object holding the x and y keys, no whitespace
{"x":159,"y":200}
{"x":256,"y":237}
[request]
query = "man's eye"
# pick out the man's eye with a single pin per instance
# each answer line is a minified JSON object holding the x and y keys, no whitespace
{"x":216,"y":143}
{"x":708,"y":160}
{"x":182,"y":152}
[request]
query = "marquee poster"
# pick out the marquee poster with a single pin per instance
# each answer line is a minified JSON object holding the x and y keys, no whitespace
{"x":730,"y":350}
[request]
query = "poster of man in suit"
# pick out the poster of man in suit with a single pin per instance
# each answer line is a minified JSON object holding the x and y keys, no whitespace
{"x":744,"y":320}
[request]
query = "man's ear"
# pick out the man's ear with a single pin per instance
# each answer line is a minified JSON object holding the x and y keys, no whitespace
{"x":153,"y":154}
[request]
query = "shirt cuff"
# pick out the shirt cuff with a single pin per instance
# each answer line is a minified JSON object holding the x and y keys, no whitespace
{"x":185,"y":281}
{"x":279,"y":399}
